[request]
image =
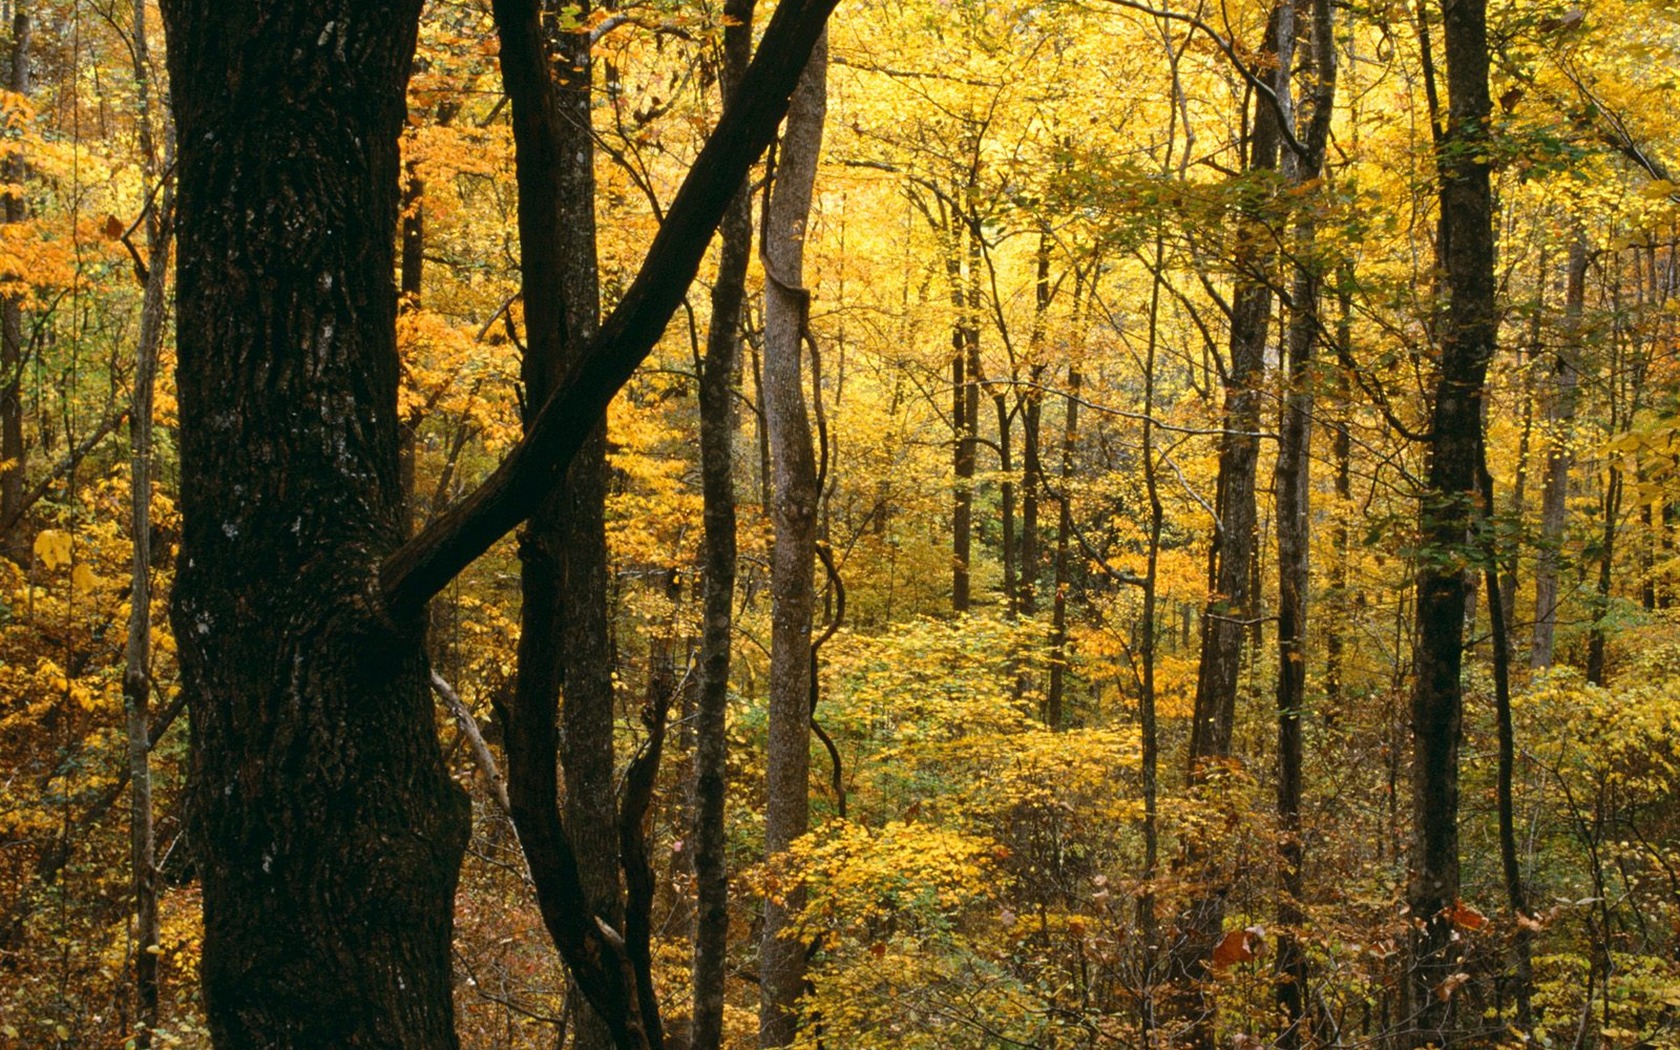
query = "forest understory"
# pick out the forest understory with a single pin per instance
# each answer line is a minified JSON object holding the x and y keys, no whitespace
{"x":954,"y":524}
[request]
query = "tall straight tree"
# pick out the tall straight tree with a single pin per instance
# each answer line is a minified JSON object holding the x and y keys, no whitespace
{"x":12,"y":450}
{"x":1231,"y":569}
{"x":564,"y":643}
{"x":329,"y":831}
{"x":1446,"y":514}
{"x":1561,"y":401}
{"x":1294,"y":517}
{"x":787,"y":305}
{"x":717,"y":479}
{"x":137,"y":655}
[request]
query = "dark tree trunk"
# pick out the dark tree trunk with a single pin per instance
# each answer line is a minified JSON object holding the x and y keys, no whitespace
{"x":1232,"y":601}
{"x":329,"y":832}
{"x":564,"y":548}
{"x":1504,"y":790}
{"x":1056,"y":691}
{"x":717,"y":479}
{"x":1006,"y":497}
{"x":1032,"y":408}
{"x":1446,"y":515}
{"x":13,"y":452}
{"x":1554,"y":497}
{"x":965,"y":333}
{"x":574,"y":861}
{"x":1341,"y":452}
{"x":793,"y":557}
{"x":1597,"y":635}
{"x":411,"y":272}
{"x":1294,"y":526}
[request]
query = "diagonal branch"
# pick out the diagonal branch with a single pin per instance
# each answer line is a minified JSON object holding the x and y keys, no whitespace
{"x":425,"y":565}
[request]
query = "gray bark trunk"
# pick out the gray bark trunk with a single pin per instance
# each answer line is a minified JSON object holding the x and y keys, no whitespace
{"x":794,"y":513}
{"x":137,"y":676}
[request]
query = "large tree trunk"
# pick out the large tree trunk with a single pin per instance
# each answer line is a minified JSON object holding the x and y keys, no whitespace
{"x":137,"y":670}
{"x":329,"y":832}
{"x":1554,"y":496}
{"x":1445,"y":516}
{"x":793,"y":558}
{"x":717,"y":479}
{"x":13,"y":452}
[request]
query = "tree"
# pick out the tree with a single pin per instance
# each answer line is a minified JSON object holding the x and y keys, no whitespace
{"x":1445,"y":517}
{"x":329,"y":834}
{"x":787,"y":306}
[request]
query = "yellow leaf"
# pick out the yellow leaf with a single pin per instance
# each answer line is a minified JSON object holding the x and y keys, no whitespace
{"x":52,"y":547}
{"x":82,"y":578}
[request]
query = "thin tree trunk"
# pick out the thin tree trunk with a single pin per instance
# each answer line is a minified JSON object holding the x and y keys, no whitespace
{"x":13,"y":451}
{"x":1597,"y":635}
{"x":137,"y":672}
{"x":1505,"y":799}
{"x":963,"y":423}
{"x":1053,"y":700}
{"x":1006,"y":496}
{"x":1148,"y":731}
{"x":1231,"y":603}
{"x":793,"y":557}
{"x":717,"y":479}
{"x":1032,"y":408}
{"x":1446,"y":514}
{"x":1560,"y":418}
{"x":1341,"y":453}
{"x":411,"y":272}
{"x":1294,"y":526}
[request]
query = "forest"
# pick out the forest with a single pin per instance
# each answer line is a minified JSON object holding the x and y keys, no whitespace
{"x":641,"y":524}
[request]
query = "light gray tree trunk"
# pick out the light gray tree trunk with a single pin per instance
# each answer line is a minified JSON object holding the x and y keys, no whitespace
{"x":794,"y":514}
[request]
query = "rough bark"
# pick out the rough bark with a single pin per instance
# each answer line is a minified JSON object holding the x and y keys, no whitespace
{"x":1554,"y":496}
{"x":329,"y":832}
{"x":1446,"y":514}
{"x":793,"y":556}
{"x":565,"y":641}
{"x":717,"y":479}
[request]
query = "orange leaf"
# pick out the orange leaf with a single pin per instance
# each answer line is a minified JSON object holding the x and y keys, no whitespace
{"x":1233,"y":949}
{"x":1465,"y":917}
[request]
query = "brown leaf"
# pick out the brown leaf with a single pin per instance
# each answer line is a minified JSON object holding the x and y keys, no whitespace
{"x":1234,"y":948}
{"x":113,"y":228}
{"x":1446,"y":988}
{"x":1465,"y":917}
